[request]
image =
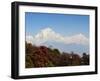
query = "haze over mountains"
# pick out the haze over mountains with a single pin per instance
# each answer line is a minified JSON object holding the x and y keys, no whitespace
{"x":78,"y":43}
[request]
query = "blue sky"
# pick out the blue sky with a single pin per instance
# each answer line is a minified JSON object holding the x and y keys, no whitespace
{"x":62,"y":23}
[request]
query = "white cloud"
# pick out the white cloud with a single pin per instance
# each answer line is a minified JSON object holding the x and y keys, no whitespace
{"x":48,"y":34}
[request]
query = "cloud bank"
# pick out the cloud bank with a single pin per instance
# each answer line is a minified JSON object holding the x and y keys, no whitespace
{"x":48,"y":34}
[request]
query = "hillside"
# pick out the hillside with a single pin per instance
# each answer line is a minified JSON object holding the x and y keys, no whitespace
{"x":42,"y":56}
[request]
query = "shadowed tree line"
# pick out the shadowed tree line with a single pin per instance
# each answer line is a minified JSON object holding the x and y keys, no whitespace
{"x":42,"y":56}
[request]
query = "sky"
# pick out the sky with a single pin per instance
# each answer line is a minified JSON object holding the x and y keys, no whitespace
{"x":61,"y":23}
{"x":67,"y":28}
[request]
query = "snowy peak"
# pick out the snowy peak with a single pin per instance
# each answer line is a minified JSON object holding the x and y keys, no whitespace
{"x":48,"y":34}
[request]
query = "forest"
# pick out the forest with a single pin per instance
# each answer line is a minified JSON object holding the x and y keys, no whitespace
{"x":42,"y":56}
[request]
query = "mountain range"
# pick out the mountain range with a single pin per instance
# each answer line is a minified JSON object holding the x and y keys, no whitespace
{"x":78,"y":43}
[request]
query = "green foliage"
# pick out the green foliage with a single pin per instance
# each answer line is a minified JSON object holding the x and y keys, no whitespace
{"x":85,"y":59}
{"x":29,"y":63}
{"x":56,"y":52}
{"x":49,"y":64}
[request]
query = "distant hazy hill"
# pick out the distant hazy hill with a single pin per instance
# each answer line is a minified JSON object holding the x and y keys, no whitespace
{"x":79,"y":49}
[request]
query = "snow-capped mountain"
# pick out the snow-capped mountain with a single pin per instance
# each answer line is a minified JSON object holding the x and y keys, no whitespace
{"x":48,"y":34}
